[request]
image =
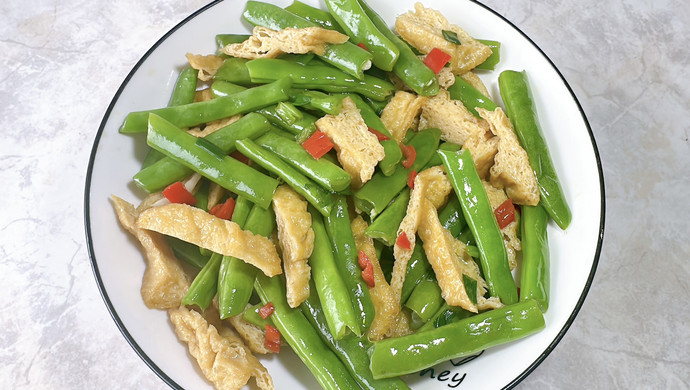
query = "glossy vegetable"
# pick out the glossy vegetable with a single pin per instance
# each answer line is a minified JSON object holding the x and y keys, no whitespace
{"x":225,"y":171}
{"x":535,"y":281}
{"x":193,"y":114}
{"x":470,"y":96}
{"x":480,"y":218}
{"x":520,"y":108}
{"x":408,"y":354}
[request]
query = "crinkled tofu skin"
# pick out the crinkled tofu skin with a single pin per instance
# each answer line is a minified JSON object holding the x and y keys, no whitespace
{"x":207,"y":65}
{"x":359,"y":151}
{"x":438,"y":245}
{"x":164,"y":283}
{"x":224,"y":360}
{"x":433,"y":185}
{"x":253,"y":336}
{"x":195,"y":225}
{"x":401,"y":112}
{"x":511,"y":167}
{"x":423,"y":29}
{"x":267,"y":43}
{"x":296,"y":239}
{"x":450,"y":116}
{"x":382,"y":296}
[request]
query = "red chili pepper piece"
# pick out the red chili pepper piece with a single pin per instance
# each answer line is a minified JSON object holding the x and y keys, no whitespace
{"x":379,"y":135}
{"x":368,"y":275}
{"x":224,"y":210}
{"x":363,"y":259}
{"x":177,"y":193}
{"x":410,"y":178}
{"x":272,"y":342}
{"x":318,"y":144}
{"x":436,"y":59}
{"x":239,"y":157}
{"x":363,"y":46}
{"x":403,"y":242}
{"x":505,"y":213}
{"x":266,"y":310}
{"x":410,"y":154}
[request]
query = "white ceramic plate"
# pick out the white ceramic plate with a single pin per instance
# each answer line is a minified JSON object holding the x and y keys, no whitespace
{"x":118,"y":264}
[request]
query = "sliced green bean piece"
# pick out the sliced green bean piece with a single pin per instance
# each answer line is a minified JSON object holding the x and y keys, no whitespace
{"x":495,"y":57}
{"x":408,"y":67}
{"x":205,"y":284}
{"x":223,"y":40}
{"x":312,"y":192}
{"x":234,"y":70}
{"x":481,"y":220}
{"x":168,"y":170}
{"x":425,"y":299}
{"x":314,"y":15}
{"x":535,"y":278}
{"x":202,"y":112}
{"x":408,"y":354}
{"x":187,"y":252}
{"x":225,"y":171}
{"x":445,"y":315}
{"x":315,"y":100}
{"x":329,"y":175}
{"x":470,"y":96}
{"x":236,"y":276}
{"x":221,"y":88}
{"x":347,"y":57}
{"x":385,"y":227}
{"x":351,"y":349}
{"x":251,"y":315}
{"x":376,"y":194}
{"x":451,"y":216}
{"x":329,"y":283}
{"x":322,"y":77}
{"x":343,"y":242}
{"x":301,"y":128}
{"x":354,"y":21}
{"x":418,"y":268}
{"x":517,"y":96}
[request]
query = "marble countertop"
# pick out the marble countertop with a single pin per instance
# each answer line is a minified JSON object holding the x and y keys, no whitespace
{"x":627,"y":61}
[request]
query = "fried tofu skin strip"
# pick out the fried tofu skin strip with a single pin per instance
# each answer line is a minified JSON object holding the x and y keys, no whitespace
{"x":296,"y":239}
{"x":511,"y":167}
{"x":455,"y":121}
{"x":164,"y":283}
{"x":223,"y":359}
{"x":206,"y":65}
{"x":358,"y":149}
{"x":382,"y":296}
{"x":195,"y":225}
{"x":431,"y":184}
{"x":267,"y":43}
{"x":424,"y":28}
{"x":401,"y":112}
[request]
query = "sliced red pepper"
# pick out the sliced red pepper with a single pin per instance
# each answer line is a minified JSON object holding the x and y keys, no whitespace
{"x":177,"y":193}
{"x":410,"y":154}
{"x":224,"y":210}
{"x":379,"y":135}
{"x":436,"y":59}
{"x":318,"y":144}
{"x":239,"y":157}
{"x":266,"y":310}
{"x":272,"y":342}
{"x":403,"y":242}
{"x":363,"y":46}
{"x":505,"y":213}
{"x":410,"y":178}
{"x":368,"y":275}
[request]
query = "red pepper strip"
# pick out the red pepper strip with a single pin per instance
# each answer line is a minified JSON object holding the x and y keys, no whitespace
{"x":379,"y":135}
{"x":177,"y":193}
{"x":363,"y":46}
{"x":318,"y":144}
{"x":403,"y":242}
{"x":410,"y":154}
{"x":410,"y":178}
{"x":272,"y":342}
{"x":367,"y":269}
{"x":266,"y":310}
{"x":239,"y":157}
{"x":505,"y":213}
{"x":224,"y":210}
{"x":436,"y":59}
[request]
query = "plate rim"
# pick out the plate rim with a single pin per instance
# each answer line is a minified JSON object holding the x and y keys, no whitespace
{"x":169,"y":381}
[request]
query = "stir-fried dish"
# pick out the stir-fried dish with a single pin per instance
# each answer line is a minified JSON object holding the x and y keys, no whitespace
{"x":348,"y":189}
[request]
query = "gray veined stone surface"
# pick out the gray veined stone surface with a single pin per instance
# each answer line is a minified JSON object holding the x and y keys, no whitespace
{"x":627,"y":61}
